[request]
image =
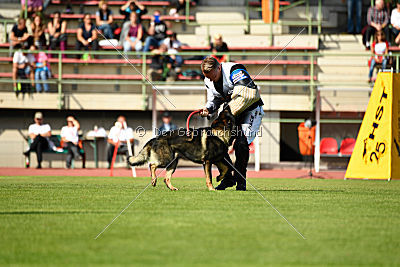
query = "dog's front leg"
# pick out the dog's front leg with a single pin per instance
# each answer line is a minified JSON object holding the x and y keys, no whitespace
{"x":153,"y":168}
{"x":207,"y":170}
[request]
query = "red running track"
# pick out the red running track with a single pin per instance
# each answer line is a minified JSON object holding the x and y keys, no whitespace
{"x":182,"y":172}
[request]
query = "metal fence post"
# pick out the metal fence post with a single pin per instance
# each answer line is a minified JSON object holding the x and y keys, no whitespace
{"x":312,"y":81}
{"x":59,"y":81}
{"x":247,"y":17}
{"x":144,"y":71}
{"x":26,"y":10}
{"x":309,"y":16}
{"x":271,"y":16}
{"x":319,"y":16}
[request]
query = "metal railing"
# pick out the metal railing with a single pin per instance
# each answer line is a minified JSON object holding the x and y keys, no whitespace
{"x":310,"y":83}
{"x":144,"y":55}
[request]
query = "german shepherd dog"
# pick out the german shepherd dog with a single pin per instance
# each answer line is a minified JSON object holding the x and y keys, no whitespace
{"x":205,"y":146}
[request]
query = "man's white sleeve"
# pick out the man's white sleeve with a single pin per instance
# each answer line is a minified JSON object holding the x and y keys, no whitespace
{"x":214,"y":100}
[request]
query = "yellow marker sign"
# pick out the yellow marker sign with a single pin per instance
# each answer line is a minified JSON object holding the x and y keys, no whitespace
{"x":376,"y":154}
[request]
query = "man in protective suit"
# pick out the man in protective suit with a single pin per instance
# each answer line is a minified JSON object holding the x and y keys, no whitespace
{"x":230,"y":84}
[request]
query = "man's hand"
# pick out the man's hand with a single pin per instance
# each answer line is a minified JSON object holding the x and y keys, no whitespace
{"x":204,"y":112}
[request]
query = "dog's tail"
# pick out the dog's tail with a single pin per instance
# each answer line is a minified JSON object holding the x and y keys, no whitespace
{"x":142,"y":157}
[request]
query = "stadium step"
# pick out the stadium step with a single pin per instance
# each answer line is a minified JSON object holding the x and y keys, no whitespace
{"x":10,"y":11}
{"x":346,"y":69}
{"x":338,"y":70}
{"x":359,"y":61}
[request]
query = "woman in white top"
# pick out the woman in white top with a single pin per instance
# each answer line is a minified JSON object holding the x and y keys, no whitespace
{"x":174,"y":46}
{"x":39,"y":134}
{"x":395,"y":21}
{"x":70,"y":137}
{"x":380,"y":48}
{"x":118,"y":136}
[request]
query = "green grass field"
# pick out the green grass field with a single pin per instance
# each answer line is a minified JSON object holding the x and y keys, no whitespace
{"x":54,"y":220}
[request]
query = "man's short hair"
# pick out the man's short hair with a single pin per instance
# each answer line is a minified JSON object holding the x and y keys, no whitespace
{"x":209,"y":64}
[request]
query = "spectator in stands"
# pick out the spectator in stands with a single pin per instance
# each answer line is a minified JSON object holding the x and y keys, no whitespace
{"x":86,"y":35}
{"x":38,"y":29}
{"x":70,"y":138}
{"x":39,"y":135}
{"x":118,"y":136}
{"x":354,"y":7}
{"x":134,"y":36}
{"x":104,"y":19}
{"x":23,"y":67}
{"x":34,"y":6}
{"x":162,"y":66}
{"x":57,"y":32}
{"x":42,"y":72}
{"x":19,"y":35}
{"x":68,"y":8}
{"x":133,"y":6}
{"x":126,"y":10}
{"x":380,"y":48}
{"x":173,"y":47}
{"x":378,"y":19}
{"x":157,"y":32}
{"x":167,"y":124}
{"x":219,"y":46}
{"x":395,"y":21}
{"x":177,"y":6}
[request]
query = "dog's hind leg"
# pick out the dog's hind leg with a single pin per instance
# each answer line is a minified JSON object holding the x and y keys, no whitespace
{"x":168,"y":175}
{"x":153,"y":168}
{"x":223,"y":170}
{"x":207,"y":170}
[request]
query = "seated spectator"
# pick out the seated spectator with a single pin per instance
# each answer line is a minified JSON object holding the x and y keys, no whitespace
{"x":157,"y":32}
{"x":380,"y":48}
{"x":86,"y":35}
{"x":177,"y":6}
{"x":219,"y":46}
{"x":167,"y":124}
{"x":118,"y":136}
{"x":23,"y":68}
{"x":104,"y":20}
{"x":34,"y":6}
{"x":57,"y":32}
{"x":378,"y":19}
{"x":38,"y":29}
{"x":135,"y":7}
{"x":68,"y":8}
{"x":19,"y":36}
{"x":134,"y":36}
{"x":42,"y":72}
{"x":395,"y":21}
{"x":70,"y":137}
{"x":131,"y":6}
{"x":173,"y":47}
{"x":162,"y":66}
{"x":39,"y":134}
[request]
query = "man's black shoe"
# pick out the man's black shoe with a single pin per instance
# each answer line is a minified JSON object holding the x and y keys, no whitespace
{"x":225,"y":184}
{"x":240,"y":188}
